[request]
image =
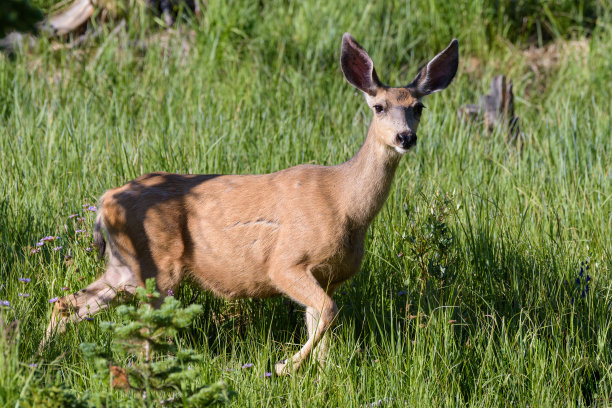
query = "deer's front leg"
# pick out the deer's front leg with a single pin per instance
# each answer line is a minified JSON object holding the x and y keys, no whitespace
{"x":299,"y":284}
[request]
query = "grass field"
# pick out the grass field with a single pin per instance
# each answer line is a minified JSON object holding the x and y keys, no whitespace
{"x":513,"y":308}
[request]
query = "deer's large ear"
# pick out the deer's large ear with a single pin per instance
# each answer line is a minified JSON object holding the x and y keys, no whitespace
{"x":357,"y":66}
{"x":438,"y":73}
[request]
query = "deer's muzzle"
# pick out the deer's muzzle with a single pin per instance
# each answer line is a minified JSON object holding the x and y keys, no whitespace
{"x":406,"y":139}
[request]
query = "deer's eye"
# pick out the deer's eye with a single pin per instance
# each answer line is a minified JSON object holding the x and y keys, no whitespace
{"x":418,"y":109}
{"x":378,"y":108}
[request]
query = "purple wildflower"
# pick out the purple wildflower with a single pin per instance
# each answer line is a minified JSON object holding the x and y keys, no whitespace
{"x":267,"y":375}
{"x":39,"y":244}
{"x":24,"y":295}
{"x":92,"y":208}
{"x":401,"y":293}
{"x":24,"y":280}
{"x":33,"y":365}
{"x":65,"y":288}
{"x":48,"y":238}
{"x":57,"y":248}
{"x":35,"y":251}
{"x":89,"y":249}
{"x":80,"y":231}
{"x":53,"y":300}
{"x":170,"y":292}
{"x":89,"y":318}
{"x":248,"y":365}
{"x":73,"y":216}
{"x":5,"y":303}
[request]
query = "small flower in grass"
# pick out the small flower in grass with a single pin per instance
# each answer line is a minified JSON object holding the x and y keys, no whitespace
{"x":401,"y":293}
{"x":53,"y":300}
{"x":89,"y":249}
{"x":33,"y":365}
{"x":39,"y":244}
{"x":25,"y":280}
{"x":170,"y":292}
{"x":65,"y":288}
{"x":581,"y":283}
{"x":24,"y":295}
{"x":267,"y":375}
{"x":71,"y":216}
{"x":35,"y":251}
{"x":92,"y":208}
{"x":248,"y":365}
{"x":89,"y":318}
{"x":5,"y":303}
{"x":80,"y":219}
{"x":57,"y":248}
{"x":80,"y":231}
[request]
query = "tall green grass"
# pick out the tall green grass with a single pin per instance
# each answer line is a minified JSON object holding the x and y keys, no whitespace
{"x":254,"y":88}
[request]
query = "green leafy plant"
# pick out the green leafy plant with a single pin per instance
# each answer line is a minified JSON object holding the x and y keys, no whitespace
{"x":427,"y":238}
{"x":155,"y":364}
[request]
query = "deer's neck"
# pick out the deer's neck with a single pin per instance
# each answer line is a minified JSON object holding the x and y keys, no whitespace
{"x":366,"y":180}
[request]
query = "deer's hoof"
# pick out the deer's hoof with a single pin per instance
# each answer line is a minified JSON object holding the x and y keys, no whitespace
{"x":282,"y":368}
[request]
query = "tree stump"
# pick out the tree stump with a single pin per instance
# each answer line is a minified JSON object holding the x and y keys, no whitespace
{"x":495,"y":109}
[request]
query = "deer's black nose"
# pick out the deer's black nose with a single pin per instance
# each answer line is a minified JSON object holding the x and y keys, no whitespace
{"x":406,"y":139}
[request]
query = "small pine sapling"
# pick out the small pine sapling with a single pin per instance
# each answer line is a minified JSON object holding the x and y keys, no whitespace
{"x":157,"y":364}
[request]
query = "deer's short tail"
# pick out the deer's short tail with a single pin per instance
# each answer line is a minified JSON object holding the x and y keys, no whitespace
{"x":98,"y":234}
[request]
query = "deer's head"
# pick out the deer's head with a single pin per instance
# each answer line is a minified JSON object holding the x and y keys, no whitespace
{"x":397,"y":111}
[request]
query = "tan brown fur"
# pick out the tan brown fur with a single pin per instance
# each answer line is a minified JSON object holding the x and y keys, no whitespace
{"x":298,"y":232}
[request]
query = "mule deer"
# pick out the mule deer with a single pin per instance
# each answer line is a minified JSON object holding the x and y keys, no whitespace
{"x":298,"y":232}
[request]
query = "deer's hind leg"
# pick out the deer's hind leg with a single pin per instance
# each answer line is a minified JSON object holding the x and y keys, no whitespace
{"x":118,"y":278}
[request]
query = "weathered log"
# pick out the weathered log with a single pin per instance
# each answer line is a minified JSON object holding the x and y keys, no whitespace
{"x":495,"y":109}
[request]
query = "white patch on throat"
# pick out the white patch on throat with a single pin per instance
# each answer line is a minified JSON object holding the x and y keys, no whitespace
{"x":400,"y":150}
